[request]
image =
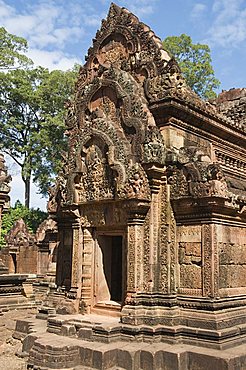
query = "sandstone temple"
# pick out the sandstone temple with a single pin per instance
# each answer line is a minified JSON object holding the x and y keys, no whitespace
{"x":151,"y":215}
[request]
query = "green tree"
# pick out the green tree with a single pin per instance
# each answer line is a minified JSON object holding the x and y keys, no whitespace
{"x":32,"y":121}
{"x":12,"y":51}
{"x":32,"y":217}
{"x":195,"y":63}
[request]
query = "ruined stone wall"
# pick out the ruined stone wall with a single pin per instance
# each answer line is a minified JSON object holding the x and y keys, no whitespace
{"x":190,"y":258}
{"x":232,"y":258}
{"x":27,"y":259}
{"x":232,"y":104}
{"x":228,"y":264}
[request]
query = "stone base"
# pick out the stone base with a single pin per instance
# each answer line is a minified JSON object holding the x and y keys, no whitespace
{"x":53,"y":352}
{"x":96,"y":342}
{"x":214,"y":323}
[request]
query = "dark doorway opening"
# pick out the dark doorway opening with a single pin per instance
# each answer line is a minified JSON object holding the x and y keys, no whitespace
{"x":14,"y":262}
{"x":111,"y":247}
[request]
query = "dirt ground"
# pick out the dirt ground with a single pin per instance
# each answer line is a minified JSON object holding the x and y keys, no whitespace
{"x":8,"y":345}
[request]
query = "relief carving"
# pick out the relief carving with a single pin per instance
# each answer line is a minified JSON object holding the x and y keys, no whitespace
{"x":154,"y":147}
{"x":96,"y":181}
{"x":195,"y":175}
{"x":4,"y":177}
{"x":136,"y":186}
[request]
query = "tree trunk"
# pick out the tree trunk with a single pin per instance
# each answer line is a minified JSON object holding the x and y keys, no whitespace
{"x":27,"y":182}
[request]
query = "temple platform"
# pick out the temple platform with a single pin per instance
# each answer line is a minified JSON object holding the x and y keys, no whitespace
{"x":100,"y":342}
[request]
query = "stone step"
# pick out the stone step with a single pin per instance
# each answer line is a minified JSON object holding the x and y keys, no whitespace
{"x":53,"y":352}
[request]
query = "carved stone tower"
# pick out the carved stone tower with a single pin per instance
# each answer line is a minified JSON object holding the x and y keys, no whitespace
{"x":151,"y":204}
{"x":4,"y":188}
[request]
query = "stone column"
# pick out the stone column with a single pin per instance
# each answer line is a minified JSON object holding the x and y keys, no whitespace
{"x":87,"y":270}
{"x":210,"y":261}
{"x":135,"y":235}
{"x":135,"y":244}
{"x":155,"y":175}
{"x":76,"y":273}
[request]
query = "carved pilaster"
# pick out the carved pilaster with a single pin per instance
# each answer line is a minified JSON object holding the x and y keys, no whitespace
{"x":167,"y":244}
{"x":163,"y":242}
{"x":156,"y":178}
{"x":210,"y":260}
{"x":135,"y":233}
{"x":76,"y":274}
{"x":87,"y":283}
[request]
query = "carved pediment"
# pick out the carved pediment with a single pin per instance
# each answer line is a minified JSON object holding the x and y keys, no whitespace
{"x":19,"y":235}
{"x":112,"y":133}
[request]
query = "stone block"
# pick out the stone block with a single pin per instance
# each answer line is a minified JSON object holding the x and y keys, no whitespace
{"x":86,"y":356}
{"x":85,"y":333}
{"x":28,"y":342}
{"x":110,"y":358}
{"x":97,"y":360}
{"x":28,"y":289}
{"x":124,"y":359}
{"x":190,"y":276}
{"x":167,"y":360}
{"x":232,"y":276}
{"x":232,"y":254}
{"x":199,"y":361}
{"x":146,"y":360}
{"x":68,"y":330}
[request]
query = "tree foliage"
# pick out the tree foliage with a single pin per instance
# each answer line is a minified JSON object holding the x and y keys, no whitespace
{"x":32,"y":121}
{"x":12,"y":51}
{"x":32,"y":217}
{"x":195,"y":63}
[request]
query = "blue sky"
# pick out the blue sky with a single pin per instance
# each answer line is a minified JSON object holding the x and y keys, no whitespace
{"x":59,"y":34}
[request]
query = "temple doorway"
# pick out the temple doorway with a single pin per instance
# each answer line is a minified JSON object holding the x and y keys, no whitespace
{"x":13,"y":264}
{"x":109,"y":269}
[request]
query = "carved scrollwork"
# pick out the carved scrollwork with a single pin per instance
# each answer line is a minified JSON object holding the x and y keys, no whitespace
{"x":58,"y":194}
{"x":136,"y":185}
{"x":165,"y":84}
{"x":195,"y":175}
{"x":154,"y":147}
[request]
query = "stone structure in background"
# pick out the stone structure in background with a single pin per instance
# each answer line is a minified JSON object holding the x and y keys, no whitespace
{"x":46,"y":237}
{"x":4,"y":188}
{"x":16,"y":291}
{"x":151,"y":215}
{"x":20,"y":253}
{"x":27,"y":253}
{"x":232,"y":103}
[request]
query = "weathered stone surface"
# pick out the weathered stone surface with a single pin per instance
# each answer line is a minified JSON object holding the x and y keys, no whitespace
{"x":232,"y":103}
{"x":20,"y":252}
{"x":145,"y":208}
{"x":151,"y":214}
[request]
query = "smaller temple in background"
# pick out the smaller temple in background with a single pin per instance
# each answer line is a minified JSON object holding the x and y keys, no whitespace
{"x":28,"y":253}
{"x":16,"y":290}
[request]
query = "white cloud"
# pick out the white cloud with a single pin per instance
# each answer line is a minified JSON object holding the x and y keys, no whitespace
{"x":229,"y":26}
{"x":49,"y":28}
{"x":198,"y":10}
{"x":139,"y":7}
{"x":52,"y":59}
{"x":42,"y":24}
{"x":5,"y":10}
{"x":17,"y":187}
{"x":17,"y":193}
{"x":20,"y":24}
